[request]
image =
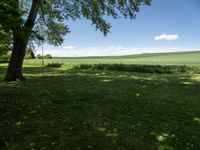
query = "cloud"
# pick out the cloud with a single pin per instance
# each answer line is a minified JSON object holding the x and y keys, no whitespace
{"x":71,"y":51}
{"x":69,"y":47}
{"x":166,"y":37}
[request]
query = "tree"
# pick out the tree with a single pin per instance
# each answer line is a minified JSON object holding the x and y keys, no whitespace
{"x":39,"y":56}
{"x":45,"y":20}
{"x":29,"y":53}
{"x":47,"y":56}
{"x":5,"y":43}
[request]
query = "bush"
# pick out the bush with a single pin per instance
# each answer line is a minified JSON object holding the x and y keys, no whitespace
{"x":138,"y":68}
{"x":5,"y":58}
{"x":48,"y":56}
{"x":54,"y":65}
{"x":39,"y":56}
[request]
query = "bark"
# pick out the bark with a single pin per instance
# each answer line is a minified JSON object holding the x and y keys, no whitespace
{"x":14,"y":71}
{"x":21,"y":37}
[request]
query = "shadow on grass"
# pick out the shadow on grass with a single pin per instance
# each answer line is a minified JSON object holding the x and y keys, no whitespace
{"x":92,"y":109}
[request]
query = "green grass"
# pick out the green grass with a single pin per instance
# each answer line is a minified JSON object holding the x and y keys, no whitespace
{"x":72,"y":108}
{"x":181,"y":58}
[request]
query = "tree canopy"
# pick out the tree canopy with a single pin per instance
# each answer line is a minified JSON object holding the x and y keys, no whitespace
{"x":51,"y":23}
{"x":5,"y":42}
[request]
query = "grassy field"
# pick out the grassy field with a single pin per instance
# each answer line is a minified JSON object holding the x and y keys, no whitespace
{"x":72,"y":108}
{"x":182,"y":58}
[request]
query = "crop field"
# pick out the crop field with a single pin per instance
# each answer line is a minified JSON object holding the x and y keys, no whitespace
{"x":114,"y":107}
{"x":182,"y":58}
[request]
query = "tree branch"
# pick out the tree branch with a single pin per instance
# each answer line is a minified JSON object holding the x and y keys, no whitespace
{"x":33,"y":14}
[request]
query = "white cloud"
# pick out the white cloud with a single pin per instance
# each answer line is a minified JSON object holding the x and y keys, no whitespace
{"x":166,"y":37}
{"x":71,"y":51}
{"x":69,"y":47}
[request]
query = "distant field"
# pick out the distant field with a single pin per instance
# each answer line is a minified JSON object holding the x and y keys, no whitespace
{"x":180,"y":58}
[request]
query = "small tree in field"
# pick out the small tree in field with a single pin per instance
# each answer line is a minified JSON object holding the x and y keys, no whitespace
{"x":46,"y":20}
{"x":48,"y":56}
{"x":29,"y":54}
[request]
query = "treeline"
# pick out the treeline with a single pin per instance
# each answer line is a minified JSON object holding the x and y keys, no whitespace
{"x":29,"y":55}
{"x":48,"y":56}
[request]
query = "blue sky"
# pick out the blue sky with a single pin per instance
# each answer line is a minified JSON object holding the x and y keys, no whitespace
{"x":167,"y":25}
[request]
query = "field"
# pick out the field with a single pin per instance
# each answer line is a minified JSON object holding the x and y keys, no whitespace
{"x":86,"y":108}
{"x":184,"y":58}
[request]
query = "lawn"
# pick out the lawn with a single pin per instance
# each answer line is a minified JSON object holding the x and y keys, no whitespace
{"x":100,"y":109}
{"x":63,"y":108}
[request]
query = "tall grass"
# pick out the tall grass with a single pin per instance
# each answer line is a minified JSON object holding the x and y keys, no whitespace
{"x":53,"y":65}
{"x":140,"y":68}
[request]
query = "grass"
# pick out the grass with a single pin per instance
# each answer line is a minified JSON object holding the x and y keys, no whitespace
{"x":73,"y":108}
{"x":181,"y":58}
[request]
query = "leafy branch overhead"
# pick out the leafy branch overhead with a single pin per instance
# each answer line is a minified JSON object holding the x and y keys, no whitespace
{"x":51,"y":22}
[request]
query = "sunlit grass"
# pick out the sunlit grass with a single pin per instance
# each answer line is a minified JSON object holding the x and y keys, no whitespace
{"x":66,"y":108}
{"x":197,"y":120}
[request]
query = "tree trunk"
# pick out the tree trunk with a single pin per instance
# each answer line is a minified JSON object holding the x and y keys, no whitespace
{"x":21,"y":37}
{"x":14,"y":71}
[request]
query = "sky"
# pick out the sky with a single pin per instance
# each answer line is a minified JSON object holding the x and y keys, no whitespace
{"x":165,"y":26}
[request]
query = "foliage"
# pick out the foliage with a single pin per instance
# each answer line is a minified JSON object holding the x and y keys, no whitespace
{"x":137,"y":68}
{"x":53,"y":15}
{"x":39,"y":56}
{"x":10,"y":15}
{"x":54,"y":65}
{"x":5,"y":42}
{"x":5,"y":58}
{"x":47,"y":56}
{"x":30,"y":54}
{"x":50,"y":25}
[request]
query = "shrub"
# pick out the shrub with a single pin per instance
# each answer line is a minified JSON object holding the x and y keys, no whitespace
{"x":138,"y":68}
{"x":39,"y":56}
{"x":5,"y":58}
{"x":54,"y":65}
{"x":48,"y":56}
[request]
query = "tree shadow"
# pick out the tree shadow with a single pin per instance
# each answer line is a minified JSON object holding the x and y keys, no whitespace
{"x":92,"y":109}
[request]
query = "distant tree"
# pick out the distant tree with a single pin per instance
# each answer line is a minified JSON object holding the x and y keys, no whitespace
{"x":39,"y":56}
{"x":45,"y":20}
{"x":29,"y":54}
{"x":48,"y":56}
